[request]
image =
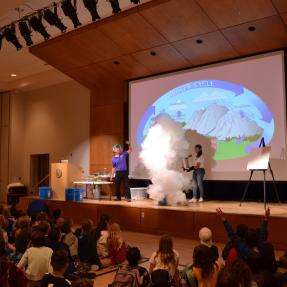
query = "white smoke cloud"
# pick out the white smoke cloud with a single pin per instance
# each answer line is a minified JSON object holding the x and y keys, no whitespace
{"x":162,"y":152}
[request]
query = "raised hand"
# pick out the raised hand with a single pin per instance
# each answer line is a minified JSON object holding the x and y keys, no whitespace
{"x":220,"y":214}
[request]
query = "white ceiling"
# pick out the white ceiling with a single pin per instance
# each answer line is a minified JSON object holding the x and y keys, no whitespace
{"x":24,"y":64}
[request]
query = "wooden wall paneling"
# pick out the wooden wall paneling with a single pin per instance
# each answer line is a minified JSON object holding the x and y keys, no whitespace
{"x":284,"y":17}
{"x":127,"y":68}
{"x":276,"y":231}
{"x":226,"y":13}
{"x":214,"y":47}
{"x":178,"y":19}
{"x":132,"y":33}
{"x":281,"y":5}
{"x":60,"y":55}
{"x":262,"y":39}
{"x":127,"y":217}
{"x":167,"y":58}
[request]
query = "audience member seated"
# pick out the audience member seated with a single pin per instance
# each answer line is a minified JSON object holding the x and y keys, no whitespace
{"x":45,"y":228}
{"x":57,"y":218}
{"x":283,"y":260}
{"x":69,"y":238}
{"x":35,"y":207}
{"x":36,"y":261}
{"x":132,"y":274}
{"x":116,"y":245}
{"x":242,"y":274}
{"x":205,"y":236}
{"x":166,"y":258}
{"x":101,"y":234}
{"x":253,"y":242}
{"x":241,"y":231}
{"x":59,"y":262}
{"x":57,"y":244}
{"x":225,"y":278}
{"x":205,"y":268}
{"x":22,"y":235}
{"x":87,"y":247}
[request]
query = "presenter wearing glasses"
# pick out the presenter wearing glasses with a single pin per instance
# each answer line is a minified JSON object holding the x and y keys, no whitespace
{"x":120,"y":171}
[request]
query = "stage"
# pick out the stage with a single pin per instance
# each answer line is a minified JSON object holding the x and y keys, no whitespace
{"x":182,"y":221}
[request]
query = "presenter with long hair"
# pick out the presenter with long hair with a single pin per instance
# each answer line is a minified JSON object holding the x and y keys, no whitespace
{"x":198,"y":174}
{"x":120,"y":170}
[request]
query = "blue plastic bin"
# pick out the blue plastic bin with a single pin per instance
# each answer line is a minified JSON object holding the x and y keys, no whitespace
{"x":78,"y":194}
{"x":45,"y":192}
{"x":69,"y":194}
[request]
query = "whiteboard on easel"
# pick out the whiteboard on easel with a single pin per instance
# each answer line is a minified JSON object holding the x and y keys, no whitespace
{"x":259,"y":158}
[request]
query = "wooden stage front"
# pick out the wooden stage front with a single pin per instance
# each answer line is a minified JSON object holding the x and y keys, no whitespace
{"x":182,"y":221}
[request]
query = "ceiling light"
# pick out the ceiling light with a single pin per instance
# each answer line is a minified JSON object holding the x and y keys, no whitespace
{"x":37,"y":25}
{"x":26,"y":32}
{"x":91,"y":5}
{"x":13,"y":75}
{"x":70,"y":11}
{"x":135,"y":1}
{"x":199,"y":41}
{"x":251,"y":28}
{"x":116,"y":62}
{"x":53,"y":19}
{"x":116,"y":6}
{"x":10,"y":35}
{"x":153,"y":53}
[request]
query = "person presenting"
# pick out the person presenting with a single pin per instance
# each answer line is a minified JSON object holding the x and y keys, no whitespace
{"x":120,"y":171}
{"x":198,"y":174}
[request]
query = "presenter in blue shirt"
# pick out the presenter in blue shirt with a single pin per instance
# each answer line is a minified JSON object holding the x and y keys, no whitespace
{"x":120,"y":170}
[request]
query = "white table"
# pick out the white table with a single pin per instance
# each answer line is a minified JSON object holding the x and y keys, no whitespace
{"x":96,"y":185}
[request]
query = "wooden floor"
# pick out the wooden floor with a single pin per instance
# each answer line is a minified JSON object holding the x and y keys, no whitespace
{"x":148,"y":243}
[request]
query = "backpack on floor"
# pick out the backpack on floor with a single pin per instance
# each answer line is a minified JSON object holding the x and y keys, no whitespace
{"x":127,"y":277}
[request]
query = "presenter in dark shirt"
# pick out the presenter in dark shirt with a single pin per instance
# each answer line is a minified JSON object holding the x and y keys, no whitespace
{"x":120,"y":170}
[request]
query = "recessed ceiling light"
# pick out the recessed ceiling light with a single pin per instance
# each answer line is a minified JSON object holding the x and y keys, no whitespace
{"x":13,"y":75}
{"x":116,"y":62}
{"x":199,"y":41}
{"x":251,"y":28}
{"x":153,"y":53}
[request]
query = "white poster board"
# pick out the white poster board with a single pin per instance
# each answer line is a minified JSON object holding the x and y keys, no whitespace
{"x":259,"y":158}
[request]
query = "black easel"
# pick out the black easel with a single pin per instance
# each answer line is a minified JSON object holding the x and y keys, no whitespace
{"x":262,"y":144}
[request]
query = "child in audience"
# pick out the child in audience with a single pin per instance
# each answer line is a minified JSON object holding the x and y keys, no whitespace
{"x":116,"y":245}
{"x":166,"y":258}
{"x":205,"y":236}
{"x":45,"y":228}
{"x":133,"y":257}
{"x":205,"y":269}
{"x":36,"y":261}
{"x":242,"y":274}
{"x":59,"y":262}
{"x":57,"y":217}
{"x":22,"y":234}
{"x":69,"y":238}
{"x":87,"y":245}
{"x":101,"y":234}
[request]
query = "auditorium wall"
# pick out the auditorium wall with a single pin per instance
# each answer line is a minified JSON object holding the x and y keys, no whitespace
{"x":54,"y":120}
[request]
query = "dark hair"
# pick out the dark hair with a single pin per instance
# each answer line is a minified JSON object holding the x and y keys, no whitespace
{"x":241,"y":273}
{"x":57,"y":214}
{"x":165,"y":250}
{"x":38,"y":239}
{"x":199,"y":153}
{"x":203,"y":259}
{"x":59,"y":259}
{"x":87,"y":226}
{"x":102,"y":225}
{"x":225,"y":278}
{"x":82,"y":283}
{"x":133,"y":256}
{"x":42,"y":216}
{"x":251,"y":237}
{"x":4,"y":267}
{"x":43,"y":226}
{"x":254,"y":261}
{"x":241,"y":230}
{"x":66,"y":226}
{"x":55,"y":235}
